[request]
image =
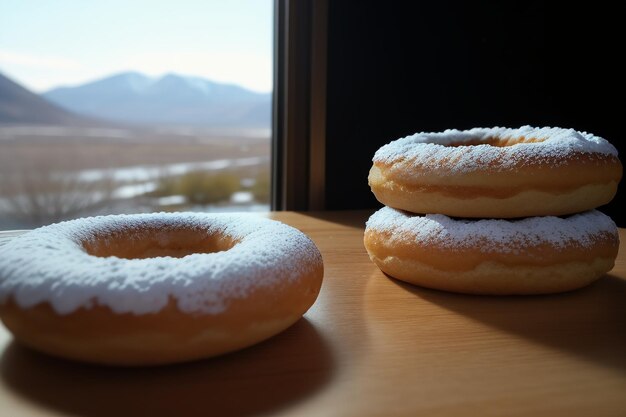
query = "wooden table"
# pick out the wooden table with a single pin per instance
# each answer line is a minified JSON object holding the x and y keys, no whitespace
{"x":370,"y":346}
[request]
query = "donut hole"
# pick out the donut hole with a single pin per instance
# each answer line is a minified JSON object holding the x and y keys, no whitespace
{"x":499,"y":142}
{"x":154,"y":243}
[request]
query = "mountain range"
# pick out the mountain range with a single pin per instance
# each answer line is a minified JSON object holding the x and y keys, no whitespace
{"x":134,"y":98}
{"x":21,"y":106}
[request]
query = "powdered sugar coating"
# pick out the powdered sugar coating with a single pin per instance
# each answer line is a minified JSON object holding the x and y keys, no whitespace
{"x":50,"y":265}
{"x":489,"y":236}
{"x":428,"y":150}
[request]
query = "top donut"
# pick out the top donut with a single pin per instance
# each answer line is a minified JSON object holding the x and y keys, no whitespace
{"x":496,"y":172}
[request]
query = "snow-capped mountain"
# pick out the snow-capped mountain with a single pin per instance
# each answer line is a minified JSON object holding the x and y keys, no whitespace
{"x":172,"y":99}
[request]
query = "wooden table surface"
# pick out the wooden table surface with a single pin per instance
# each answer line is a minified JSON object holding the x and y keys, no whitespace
{"x":370,"y":346}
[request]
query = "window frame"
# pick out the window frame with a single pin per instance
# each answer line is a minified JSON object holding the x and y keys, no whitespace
{"x":299,"y":105}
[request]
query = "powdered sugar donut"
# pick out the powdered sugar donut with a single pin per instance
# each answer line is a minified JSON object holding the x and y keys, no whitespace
{"x":528,"y":256}
{"x":497,"y":172}
{"x":156,"y":288}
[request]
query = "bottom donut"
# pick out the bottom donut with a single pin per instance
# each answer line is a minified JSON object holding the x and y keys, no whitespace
{"x":535,"y":255}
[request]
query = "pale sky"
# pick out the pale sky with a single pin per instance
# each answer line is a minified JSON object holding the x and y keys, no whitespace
{"x":47,"y":43}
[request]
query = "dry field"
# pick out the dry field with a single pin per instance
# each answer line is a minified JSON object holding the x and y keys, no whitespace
{"x":47,"y":173}
{"x":81,"y":148}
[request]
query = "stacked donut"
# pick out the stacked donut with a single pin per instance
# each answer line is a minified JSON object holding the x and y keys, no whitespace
{"x":495,"y":211}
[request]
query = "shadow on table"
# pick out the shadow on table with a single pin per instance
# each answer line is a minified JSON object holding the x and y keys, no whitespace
{"x":350,"y":218}
{"x":261,"y":379}
{"x":590,"y":322}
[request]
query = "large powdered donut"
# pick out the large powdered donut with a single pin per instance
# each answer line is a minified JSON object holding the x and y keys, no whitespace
{"x":498,"y":173}
{"x":156,"y":288}
{"x":529,"y":256}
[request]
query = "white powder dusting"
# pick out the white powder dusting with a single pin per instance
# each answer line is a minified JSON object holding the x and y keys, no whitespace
{"x":427,"y":151}
{"x":50,"y":264}
{"x":503,"y":236}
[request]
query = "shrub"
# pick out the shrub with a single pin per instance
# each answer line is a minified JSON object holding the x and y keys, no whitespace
{"x":262,"y":187}
{"x":200,"y":187}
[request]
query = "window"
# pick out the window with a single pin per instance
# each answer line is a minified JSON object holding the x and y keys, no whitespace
{"x":124,"y":107}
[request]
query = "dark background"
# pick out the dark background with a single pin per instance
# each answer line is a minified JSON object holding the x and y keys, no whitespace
{"x":396,"y":68}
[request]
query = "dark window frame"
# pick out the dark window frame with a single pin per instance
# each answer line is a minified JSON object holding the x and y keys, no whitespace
{"x":299,"y":105}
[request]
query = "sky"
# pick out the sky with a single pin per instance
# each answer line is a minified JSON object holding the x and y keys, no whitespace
{"x":49,"y":43}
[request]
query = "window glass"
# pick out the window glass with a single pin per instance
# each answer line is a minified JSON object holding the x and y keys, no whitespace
{"x":133,"y":106}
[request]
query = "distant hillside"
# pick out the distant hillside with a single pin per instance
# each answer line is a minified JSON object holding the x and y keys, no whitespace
{"x":20,"y":106}
{"x":169,"y":100}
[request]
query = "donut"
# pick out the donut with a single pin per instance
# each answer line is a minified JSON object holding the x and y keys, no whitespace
{"x":536,"y":255}
{"x":159,"y":288}
{"x":496,"y":172}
